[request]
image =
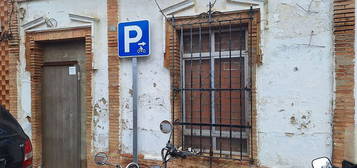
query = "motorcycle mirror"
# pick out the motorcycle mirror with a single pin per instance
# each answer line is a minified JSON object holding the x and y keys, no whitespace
{"x":101,"y":158}
{"x":132,"y":165}
{"x":166,"y":127}
{"x":322,"y":162}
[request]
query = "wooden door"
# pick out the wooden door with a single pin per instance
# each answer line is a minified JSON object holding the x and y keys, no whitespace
{"x":61,"y":117}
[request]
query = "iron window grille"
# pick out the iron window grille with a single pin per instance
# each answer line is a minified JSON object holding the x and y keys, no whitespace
{"x":211,"y":71}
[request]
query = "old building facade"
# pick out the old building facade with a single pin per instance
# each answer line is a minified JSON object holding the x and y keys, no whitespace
{"x":274,"y":81}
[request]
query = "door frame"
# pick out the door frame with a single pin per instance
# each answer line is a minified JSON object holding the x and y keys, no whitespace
{"x":34,"y":63}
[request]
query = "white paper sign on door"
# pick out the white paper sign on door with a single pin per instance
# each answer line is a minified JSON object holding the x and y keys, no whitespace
{"x":72,"y":70}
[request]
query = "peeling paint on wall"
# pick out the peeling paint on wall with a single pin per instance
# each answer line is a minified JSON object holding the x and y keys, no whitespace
{"x":24,"y":115}
{"x":301,"y":121}
{"x":101,"y":125}
{"x":294,"y":84}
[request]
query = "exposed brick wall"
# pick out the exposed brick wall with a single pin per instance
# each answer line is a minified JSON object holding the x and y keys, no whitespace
{"x":113,"y":76}
{"x":4,"y":58}
{"x":254,"y":46}
{"x":14,"y":50}
{"x":344,"y":23}
{"x":89,"y":96}
{"x":9,"y":54}
{"x":36,"y":102}
{"x":34,"y":62}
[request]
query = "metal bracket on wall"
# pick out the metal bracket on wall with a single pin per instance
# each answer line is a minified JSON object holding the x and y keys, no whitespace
{"x":310,"y":44}
{"x":308,"y":10}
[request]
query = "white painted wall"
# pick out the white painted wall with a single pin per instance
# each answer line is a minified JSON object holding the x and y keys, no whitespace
{"x":294,"y":83}
{"x":59,"y":11}
{"x":153,"y":85}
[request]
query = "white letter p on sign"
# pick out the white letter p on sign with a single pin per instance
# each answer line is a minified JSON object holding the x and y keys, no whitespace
{"x":128,"y":40}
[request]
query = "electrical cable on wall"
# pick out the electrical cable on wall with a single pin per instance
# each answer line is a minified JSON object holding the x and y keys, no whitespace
{"x":214,"y":2}
{"x":158,"y":6}
{"x":7,"y":34}
{"x":10,"y":16}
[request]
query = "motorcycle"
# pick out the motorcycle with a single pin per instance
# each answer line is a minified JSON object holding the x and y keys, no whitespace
{"x":167,"y":153}
{"x":170,"y":151}
{"x":325,"y":162}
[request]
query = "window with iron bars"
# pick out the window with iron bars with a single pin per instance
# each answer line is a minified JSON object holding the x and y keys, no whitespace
{"x":211,"y":81}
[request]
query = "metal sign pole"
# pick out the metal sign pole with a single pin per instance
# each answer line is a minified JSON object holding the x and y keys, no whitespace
{"x":135,"y":108}
{"x":130,"y":45}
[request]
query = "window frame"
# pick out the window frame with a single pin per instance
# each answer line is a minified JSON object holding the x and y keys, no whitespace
{"x":216,"y":55}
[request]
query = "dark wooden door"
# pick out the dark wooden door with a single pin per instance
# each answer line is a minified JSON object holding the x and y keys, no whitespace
{"x":61,"y":118}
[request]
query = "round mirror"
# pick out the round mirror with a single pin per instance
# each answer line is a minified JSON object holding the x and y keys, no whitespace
{"x":323,"y":162}
{"x":132,"y":165}
{"x":165,"y":127}
{"x":101,"y":158}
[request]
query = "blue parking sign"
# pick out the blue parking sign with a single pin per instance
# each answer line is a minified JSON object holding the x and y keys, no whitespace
{"x":134,"y":38}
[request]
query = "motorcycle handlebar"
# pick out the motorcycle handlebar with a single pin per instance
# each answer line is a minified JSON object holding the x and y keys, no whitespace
{"x":170,"y":150}
{"x":183,"y":154}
